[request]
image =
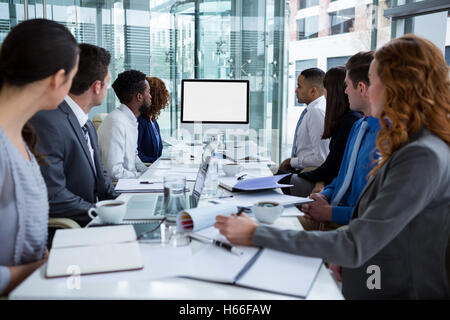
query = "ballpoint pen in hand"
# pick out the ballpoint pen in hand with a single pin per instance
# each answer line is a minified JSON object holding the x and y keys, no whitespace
{"x":218,"y":243}
{"x":241,"y":209}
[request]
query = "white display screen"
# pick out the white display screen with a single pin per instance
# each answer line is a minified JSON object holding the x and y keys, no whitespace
{"x":214,"y":101}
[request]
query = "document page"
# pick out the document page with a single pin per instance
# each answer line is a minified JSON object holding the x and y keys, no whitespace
{"x":282,"y":273}
{"x":216,"y":264}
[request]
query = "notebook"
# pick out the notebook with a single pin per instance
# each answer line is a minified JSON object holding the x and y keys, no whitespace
{"x":94,"y":250}
{"x":257,"y":268}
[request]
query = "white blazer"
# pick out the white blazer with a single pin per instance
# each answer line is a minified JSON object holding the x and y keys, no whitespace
{"x":117,"y":139}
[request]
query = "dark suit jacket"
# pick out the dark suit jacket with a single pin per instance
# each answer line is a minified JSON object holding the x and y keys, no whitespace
{"x":148,"y":148}
{"x":401,"y":225}
{"x":72,"y":183}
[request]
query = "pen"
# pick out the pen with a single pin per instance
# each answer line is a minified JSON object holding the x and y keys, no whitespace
{"x":146,"y":182}
{"x":242,"y":209}
{"x":217,"y":243}
{"x":241,"y":177}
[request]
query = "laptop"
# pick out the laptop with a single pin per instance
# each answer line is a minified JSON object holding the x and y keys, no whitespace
{"x":150,"y":206}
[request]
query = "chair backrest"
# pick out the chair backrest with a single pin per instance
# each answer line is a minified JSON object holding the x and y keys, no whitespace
{"x":98,"y":119}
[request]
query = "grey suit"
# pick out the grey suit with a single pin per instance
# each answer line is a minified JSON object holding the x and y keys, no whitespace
{"x":73,"y":184}
{"x":401,"y":224}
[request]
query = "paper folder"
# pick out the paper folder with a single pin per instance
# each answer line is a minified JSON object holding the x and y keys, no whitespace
{"x":253,"y":184}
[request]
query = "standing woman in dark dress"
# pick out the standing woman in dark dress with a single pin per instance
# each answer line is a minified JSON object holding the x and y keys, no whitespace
{"x":149,"y":139}
{"x":339,"y":120}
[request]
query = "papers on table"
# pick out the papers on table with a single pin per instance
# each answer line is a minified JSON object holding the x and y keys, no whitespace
{"x":96,"y":250}
{"x":263,"y":269}
{"x":295,"y":276}
{"x":140,"y":185}
{"x":291,"y":211}
{"x":249,"y":199}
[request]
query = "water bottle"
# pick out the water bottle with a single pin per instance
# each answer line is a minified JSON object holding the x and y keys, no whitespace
{"x":212,"y":177}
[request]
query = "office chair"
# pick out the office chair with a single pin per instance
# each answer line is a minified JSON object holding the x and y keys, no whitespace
{"x":59,"y":223}
{"x":98,"y":119}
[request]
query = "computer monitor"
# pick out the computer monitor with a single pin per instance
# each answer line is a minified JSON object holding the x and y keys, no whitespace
{"x":209,"y":106}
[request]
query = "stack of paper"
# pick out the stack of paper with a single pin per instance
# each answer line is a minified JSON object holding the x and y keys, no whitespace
{"x":94,"y":250}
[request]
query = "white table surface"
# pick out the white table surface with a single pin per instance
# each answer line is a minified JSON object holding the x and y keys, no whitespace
{"x":160,"y":284}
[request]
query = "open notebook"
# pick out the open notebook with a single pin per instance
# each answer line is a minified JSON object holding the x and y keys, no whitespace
{"x":257,"y":268}
{"x":94,"y":250}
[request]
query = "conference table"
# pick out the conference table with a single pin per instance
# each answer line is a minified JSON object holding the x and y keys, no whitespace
{"x":158,"y":279}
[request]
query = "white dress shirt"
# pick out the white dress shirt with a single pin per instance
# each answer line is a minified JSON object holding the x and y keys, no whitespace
{"x":117,"y":138}
{"x":82,"y":118}
{"x":311,"y":150}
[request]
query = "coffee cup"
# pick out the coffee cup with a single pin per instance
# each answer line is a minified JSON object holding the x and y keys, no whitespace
{"x":267,"y":211}
{"x":231,"y":169}
{"x":109,"y":211}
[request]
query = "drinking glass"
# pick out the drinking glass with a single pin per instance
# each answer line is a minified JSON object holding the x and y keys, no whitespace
{"x":174,"y":196}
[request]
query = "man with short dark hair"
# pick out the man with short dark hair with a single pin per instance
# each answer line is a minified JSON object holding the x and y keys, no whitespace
{"x":336,"y":202}
{"x":73,"y":171}
{"x":118,"y":133}
{"x":308,"y":149}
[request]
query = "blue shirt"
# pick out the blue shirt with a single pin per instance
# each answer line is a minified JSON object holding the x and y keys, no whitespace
{"x":364,"y":164}
{"x":149,"y":140}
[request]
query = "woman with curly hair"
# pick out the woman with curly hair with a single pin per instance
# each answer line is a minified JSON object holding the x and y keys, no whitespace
{"x":149,"y":139}
{"x":401,"y":223}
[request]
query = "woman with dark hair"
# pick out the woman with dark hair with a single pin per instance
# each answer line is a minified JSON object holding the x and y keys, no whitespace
{"x":38,"y":60}
{"x":149,"y":139}
{"x":401,"y":225}
{"x":339,"y":120}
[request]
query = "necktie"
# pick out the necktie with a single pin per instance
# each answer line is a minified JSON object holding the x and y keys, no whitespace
{"x":86,"y":133}
{"x":295,"y":135}
{"x":88,"y":142}
{"x":351,"y":164}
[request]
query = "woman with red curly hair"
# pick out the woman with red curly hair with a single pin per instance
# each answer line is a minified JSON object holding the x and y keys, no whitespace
{"x":149,"y":139}
{"x":395,"y":245}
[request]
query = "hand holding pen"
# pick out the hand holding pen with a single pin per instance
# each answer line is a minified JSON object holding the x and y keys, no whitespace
{"x":217,"y":243}
{"x":239,"y":229}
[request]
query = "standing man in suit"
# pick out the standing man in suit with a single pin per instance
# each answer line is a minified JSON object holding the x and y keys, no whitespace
{"x":73,"y":170}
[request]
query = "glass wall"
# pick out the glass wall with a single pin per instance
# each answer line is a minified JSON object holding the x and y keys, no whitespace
{"x":175,"y":40}
{"x":325,"y":33}
{"x":268,"y":42}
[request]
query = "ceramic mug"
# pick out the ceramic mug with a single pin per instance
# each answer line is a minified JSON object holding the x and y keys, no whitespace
{"x":109,"y":211}
{"x":232,"y":169}
{"x":267,"y":211}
